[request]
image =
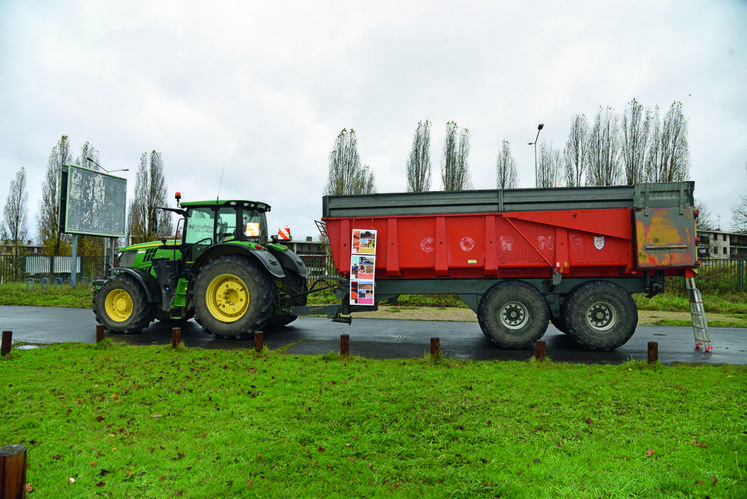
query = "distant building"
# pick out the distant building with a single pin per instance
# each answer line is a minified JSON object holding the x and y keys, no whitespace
{"x":6,"y":248}
{"x":718,"y":245}
{"x":315,"y":255}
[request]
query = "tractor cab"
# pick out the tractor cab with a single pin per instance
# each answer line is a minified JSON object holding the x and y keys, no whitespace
{"x":216,"y":222}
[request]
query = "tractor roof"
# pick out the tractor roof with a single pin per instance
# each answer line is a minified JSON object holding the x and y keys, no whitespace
{"x":255,"y":205}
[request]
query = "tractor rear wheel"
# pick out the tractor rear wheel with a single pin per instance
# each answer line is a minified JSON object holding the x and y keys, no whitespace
{"x":600,"y":315}
{"x":233,"y":297}
{"x":513,"y":314}
{"x":121,"y":305}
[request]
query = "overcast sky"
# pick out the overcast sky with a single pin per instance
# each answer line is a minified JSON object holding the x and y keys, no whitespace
{"x":259,"y":90}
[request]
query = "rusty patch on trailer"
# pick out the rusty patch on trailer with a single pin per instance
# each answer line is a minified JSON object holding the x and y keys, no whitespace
{"x":665,"y":238}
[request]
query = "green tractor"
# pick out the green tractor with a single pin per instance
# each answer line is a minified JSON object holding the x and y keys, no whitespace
{"x":224,"y":272}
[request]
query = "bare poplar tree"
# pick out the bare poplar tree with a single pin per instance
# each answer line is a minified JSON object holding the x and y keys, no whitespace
{"x":364,"y":182}
{"x":506,"y":174}
{"x":602,"y":160}
{"x":145,"y":221}
{"x":454,"y":169}
{"x":548,"y":166}
{"x":14,"y":227}
{"x":636,"y":124}
{"x":653,"y":156}
{"x":50,"y":236}
{"x":346,"y":175}
{"x":89,"y":157}
{"x":670,"y":152}
{"x":419,"y":162}
{"x":575,"y":151}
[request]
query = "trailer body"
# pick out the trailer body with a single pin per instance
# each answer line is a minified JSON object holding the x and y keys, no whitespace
{"x":560,"y":243}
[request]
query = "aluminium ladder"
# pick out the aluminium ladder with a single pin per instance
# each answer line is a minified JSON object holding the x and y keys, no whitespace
{"x":697,"y":312}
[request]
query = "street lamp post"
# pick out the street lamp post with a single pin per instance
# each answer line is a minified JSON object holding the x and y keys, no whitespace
{"x":539,"y":129}
{"x":107,"y":171}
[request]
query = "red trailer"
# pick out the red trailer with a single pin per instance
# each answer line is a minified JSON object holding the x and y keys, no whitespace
{"x":520,"y":258}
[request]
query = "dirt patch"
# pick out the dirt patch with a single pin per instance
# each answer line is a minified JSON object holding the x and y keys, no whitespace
{"x":411,"y":313}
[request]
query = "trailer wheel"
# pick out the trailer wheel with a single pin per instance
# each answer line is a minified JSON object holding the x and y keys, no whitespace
{"x":121,"y":305}
{"x":513,"y":314}
{"x":600,"y":315}
{"x":233,"y":297}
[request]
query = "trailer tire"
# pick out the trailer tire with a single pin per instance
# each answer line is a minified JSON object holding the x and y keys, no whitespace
{"x":513,"y":314}
{"x":233,"y":297}
{"x":122,"y":306}
{"x":600,"y":315}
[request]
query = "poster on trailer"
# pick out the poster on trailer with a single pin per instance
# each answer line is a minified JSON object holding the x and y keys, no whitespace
{"x":362,"y":267}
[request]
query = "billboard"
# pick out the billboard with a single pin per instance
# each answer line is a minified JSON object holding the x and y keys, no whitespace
{"x":92,"y":203}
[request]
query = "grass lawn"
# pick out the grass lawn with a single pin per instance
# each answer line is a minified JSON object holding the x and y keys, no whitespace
{"x":121,"y":421}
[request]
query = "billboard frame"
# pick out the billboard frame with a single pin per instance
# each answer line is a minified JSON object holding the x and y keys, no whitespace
{"x":92,"y":203}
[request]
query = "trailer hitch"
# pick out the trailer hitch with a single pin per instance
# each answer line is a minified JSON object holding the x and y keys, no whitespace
{"x":342,"y":319}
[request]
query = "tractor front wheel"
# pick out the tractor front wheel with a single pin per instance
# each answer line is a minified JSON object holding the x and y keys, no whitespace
{"x":233,"y":297}
{"x":121,"y":305}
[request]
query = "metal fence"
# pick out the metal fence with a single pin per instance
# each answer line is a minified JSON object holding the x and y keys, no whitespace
{"x":713,"y":275}
{"x":716,"y":276}
{"x":21,"y":268}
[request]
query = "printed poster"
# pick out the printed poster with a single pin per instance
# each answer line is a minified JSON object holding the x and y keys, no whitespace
{"x":362,"y":267}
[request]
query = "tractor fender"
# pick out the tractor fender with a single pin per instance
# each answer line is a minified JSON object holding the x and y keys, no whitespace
{"x":290,"y":261}
{"x":144,"y":278}
{"x":266,"y":258}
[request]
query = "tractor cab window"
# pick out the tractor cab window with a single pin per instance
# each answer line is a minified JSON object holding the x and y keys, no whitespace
{"x":200,"y":225}
{"x":253,"y":226}
{"x":226,"y":226}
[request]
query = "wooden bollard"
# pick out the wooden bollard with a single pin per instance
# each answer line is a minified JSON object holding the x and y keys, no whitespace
{"x":99,"y":333}
{"x":258,"y":338}
{"x":540,"y":349}
{"x":653,"y":352}
{"x":344,"y":344}
{"x":13,"y":471}
{"x":435,"y":347}
{"x":6,"y":342}
{"x":176,"y":336}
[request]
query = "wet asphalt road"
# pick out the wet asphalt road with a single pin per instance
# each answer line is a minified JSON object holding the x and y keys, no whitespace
{"x":381,"y":338}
